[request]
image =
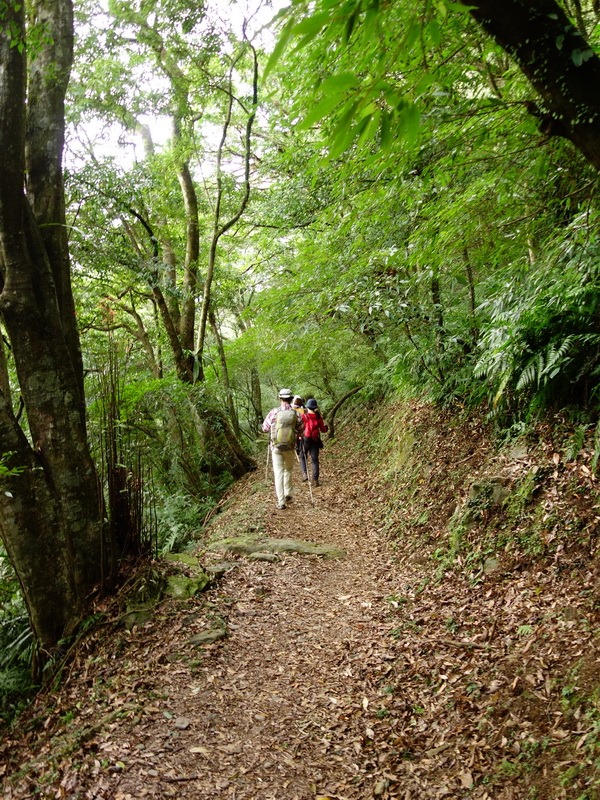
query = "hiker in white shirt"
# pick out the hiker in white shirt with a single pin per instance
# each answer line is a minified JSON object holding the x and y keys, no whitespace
{"x":285,"y":426}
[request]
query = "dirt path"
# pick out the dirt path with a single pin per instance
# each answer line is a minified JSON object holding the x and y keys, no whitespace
{"x":284,"y":707}
{"x":351,"y":678}
{"x":290,"y":685}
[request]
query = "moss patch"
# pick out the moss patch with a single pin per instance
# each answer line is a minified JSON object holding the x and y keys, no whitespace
{"x":245,"y":546}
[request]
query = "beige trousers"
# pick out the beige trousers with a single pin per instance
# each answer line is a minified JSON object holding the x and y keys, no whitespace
{"x":283,"y":464}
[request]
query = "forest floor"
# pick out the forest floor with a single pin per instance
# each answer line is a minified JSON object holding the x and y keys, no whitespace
{"x":356,"y":676}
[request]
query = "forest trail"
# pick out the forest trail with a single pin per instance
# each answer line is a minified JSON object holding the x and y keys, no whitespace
{"x":343,"y":678}
{"x":285,"y":706}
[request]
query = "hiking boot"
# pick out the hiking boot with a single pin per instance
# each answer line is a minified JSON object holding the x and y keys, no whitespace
{"x":288,"y":498}
{"x":280,"y":506}
{"x":316,"y":482}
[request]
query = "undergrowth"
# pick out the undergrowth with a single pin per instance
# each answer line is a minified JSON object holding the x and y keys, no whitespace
{"x":441,"y":494}
{"x":16,"y":646}
{"x":491,"y":513}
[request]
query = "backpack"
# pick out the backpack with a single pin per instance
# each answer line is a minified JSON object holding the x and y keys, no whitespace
{"x":283,"y":429}
{"x":312,"y":426}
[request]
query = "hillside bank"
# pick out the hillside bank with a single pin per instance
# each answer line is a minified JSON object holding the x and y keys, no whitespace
{"x":452,"y":651}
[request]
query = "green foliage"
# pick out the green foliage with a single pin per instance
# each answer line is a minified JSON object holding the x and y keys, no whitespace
{"x":541,"y":346}
{"x":179,"y":519}
{"x":460,"y":254}
{"x":16,"y":644}
{"x":449,"y":262}
{"x":596,"y":447}
{"x":576,"y":443}
{"x":371,"y":101}
{"x":582,"y":697}
{"x":6,"y":471}
{"x":167,"y":437}
{"x":324,"y":360}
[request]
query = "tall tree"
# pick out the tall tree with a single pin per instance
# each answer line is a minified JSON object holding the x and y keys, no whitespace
{"x":205,"y":73}
{"x":50,"y":508}
{"x":221,"y":226}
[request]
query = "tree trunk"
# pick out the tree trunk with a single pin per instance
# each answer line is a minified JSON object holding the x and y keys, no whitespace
{"x":49,"y":72}
{"x":184,"y":365}
{"x":233,"y":416}
{"x":4,"y":377}
{"x":438,"y":311}
{"x":472,"y":300}
{"x":256,"y":400}
{"x":50,"y":517}
{"x":557,"y":60}
{"x":192,"y":252}
{"x":35,"y":539}
{"x":336,"y":408}
{"x":219,"y":228}
{"x":169,"y":257}
{"x":217,"y":433}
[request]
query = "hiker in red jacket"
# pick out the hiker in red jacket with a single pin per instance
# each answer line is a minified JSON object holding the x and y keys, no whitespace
{"x":314,"y":425}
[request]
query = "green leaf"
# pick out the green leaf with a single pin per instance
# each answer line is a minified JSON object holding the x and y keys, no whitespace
{"x":332,"y":91}
{"x":434,"y":32}
{"x":385,"y":131}
{"x":442,"y":9}
{"x":410,"y":122}
{"x":369,"y":126}
{"x":280,"y":46}
{"x":413,"y":35}
{"x":461,"y":8}
{"x":424,"y":82}
{"x":324,"y":107}
{"x":340,"y":82}
{"x":312,"y":25}
{"x":579,"y":56}
{"x":351,"y":22}
{"x":344,"y":136}
{"x":370,"y":23}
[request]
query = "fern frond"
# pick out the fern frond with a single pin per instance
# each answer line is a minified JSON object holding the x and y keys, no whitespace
{"x":528,"y":376}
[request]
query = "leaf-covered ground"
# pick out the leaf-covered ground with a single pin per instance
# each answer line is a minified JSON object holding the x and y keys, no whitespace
{"x":409,"y":668}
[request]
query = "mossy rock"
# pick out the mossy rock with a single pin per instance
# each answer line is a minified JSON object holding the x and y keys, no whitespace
{"x":183,"y":558}
{"x":181,"y":587}
{"x":270,"y":558}
{"x":301,"y":547}
{"x":246,"y":546}
{"x":491,"y":491}
{"x":220,"y":569}
{"x":208,"y":637}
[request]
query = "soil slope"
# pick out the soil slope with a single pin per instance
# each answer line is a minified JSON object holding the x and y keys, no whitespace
{"x":353,"y":677}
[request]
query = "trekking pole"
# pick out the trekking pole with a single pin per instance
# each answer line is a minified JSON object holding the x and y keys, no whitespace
{"x":312,"y":502}
{"x":267,"y":464}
